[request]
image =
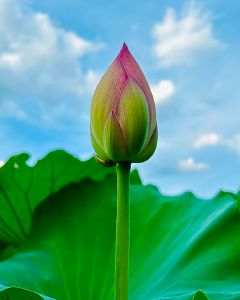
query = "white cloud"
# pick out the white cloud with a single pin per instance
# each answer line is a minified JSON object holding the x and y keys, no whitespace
{"x":207,"y":139}
{"x":39,"y":60}
{"x":11,"y":109}
{"x":92,"y":79}
{"x":163,"y":144}
{"x":190,"y":165}
{"x":181,"y":41}
{"x":1,"y":163}
{"x":234,"y":143}
{"x":163,"y":90}
{"x":10,"y":60}
{"x":85,"y":117}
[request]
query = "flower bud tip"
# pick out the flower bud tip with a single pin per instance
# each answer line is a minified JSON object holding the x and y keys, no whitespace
{"x":124,"y":47}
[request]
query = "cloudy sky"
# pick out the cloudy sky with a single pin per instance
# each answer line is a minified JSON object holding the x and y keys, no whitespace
{"x":53,"y":53}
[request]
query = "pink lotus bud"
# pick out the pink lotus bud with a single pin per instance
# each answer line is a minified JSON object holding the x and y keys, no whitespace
{"x":123,"y":114}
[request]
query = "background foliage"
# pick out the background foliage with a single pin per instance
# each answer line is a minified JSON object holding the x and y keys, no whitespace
{"x":57,"y":232}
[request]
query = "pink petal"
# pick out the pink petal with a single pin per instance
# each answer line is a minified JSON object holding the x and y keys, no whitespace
{"x":133,"y":70}
{"x":133,"y":115}
{"x":106,"y":96}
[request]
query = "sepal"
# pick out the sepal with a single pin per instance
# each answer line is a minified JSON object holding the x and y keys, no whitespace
{"x":108,"y":163}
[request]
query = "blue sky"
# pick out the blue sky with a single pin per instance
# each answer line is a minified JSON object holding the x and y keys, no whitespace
{"x":53,"y":53}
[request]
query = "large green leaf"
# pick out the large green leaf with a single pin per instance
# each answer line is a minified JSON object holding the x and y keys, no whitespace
{"x":15,"y":293}
{"x":179,"y":245}
{"x":23,"y":188}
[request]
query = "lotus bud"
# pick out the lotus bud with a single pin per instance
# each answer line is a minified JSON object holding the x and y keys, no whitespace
{"x":123,"y":114}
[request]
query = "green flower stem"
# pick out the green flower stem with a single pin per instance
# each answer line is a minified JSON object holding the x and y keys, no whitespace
{"x":122,"y":245}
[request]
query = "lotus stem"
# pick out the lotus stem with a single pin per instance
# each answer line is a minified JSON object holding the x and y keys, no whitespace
{"x":122,"y":245}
